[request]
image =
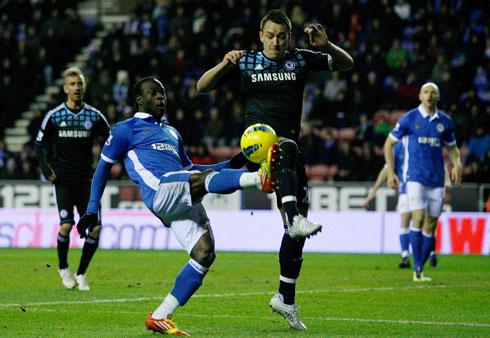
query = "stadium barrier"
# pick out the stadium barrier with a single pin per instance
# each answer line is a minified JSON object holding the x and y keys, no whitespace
{"x":341,"y":196}
{"x":245,"y":230}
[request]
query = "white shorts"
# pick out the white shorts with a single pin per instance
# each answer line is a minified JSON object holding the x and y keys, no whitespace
{"x":402,"y":205}
{"x":427,"y":198}
{"x":173,"y":205}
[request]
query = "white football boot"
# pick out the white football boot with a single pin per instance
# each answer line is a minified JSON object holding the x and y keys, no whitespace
{"x":82,"y":282}
{"x":67,"y":278}
{"x":289,"y":312}
{"x":302,"y":227}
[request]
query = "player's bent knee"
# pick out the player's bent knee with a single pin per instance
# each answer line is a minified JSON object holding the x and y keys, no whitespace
{"x":204,"y":257}
{"x":65,"y":229}
{"x":95,"y":233}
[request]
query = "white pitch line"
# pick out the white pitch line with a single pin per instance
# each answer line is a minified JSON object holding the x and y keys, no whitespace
{"x":124,"y":300}
{"x":333,"y":319}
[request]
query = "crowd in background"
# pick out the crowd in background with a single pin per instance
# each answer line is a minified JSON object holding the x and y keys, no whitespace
{"x":396,"y":45}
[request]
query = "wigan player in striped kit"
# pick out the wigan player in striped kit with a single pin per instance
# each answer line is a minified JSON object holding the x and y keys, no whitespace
{"x":64,"y":151}
{"x":272,"y":83}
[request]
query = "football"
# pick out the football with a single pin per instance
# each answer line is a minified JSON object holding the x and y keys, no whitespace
{"x":256,"y":141}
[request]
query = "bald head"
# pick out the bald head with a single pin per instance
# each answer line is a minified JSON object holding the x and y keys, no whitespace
{"x":429,"y":96}
{"x":430,"y":84}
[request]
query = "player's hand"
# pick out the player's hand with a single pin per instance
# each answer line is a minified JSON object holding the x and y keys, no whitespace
{"x":393,"y":180}
{"x":232,"y":57}
{"x":87,"y":221}
{"x":318,"y":36}
{"x":456,"y":174}
{"x":368,"y":199}
{"x":48,"y":173}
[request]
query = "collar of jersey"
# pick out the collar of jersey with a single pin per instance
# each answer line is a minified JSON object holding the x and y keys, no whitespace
{"x":272,"y":61}
{"x":71,"y":111}
{"x":425,"y":113}
{"x":143,"y":116}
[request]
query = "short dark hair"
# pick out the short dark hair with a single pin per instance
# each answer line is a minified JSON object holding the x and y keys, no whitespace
{"x":277,"y":16}
{"x":137,"y":89}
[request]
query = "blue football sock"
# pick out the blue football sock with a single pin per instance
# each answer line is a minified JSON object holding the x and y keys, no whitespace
{"x":188,"y":281}
{"x":416,"y":241}
{"x":427,"y":245}
{"x":225,"y":181}
{"x":404,"y":239}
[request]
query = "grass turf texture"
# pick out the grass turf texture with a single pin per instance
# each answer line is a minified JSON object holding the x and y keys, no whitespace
{"x":342,"y":296}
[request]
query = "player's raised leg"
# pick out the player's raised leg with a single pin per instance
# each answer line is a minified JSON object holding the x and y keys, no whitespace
{"x":287,"y":187}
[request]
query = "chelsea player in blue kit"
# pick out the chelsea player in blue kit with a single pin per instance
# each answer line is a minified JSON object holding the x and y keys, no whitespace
{"x":172,"y":188}
{"x":427,"y":129}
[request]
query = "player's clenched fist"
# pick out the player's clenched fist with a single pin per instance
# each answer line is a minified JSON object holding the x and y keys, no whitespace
{"x":232,"y":57}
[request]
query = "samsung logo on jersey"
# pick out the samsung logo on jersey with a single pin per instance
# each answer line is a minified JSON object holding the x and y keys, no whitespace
{"x":431,"y":141}
{"x":274,"y":77}
{"x":74,"y":133}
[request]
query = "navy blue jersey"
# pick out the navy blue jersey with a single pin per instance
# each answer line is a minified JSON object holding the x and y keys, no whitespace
{"x":150,"y":149}
{"x":426,"y":135}
{"x":70,"y":137}
{"x":273,"y":90}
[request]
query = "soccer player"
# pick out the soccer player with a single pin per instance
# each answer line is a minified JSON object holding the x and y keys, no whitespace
{"x":64,"y":151}
{"x":402,"y":205}
{"x":172,"y":188}
{"x":427,"y":129}
{"x":272,"y":82}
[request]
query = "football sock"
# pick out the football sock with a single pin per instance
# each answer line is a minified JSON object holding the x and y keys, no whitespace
{"x":416,"y":241}
{"x":225,"y":181}
{"x":168,"y":307}
{"x":250,"y":180}
{"x":89,"y":248}
{"x":287,"y":179}
{"x":433,"y":249}
{"x":427,"y":244}
{"x":188,"y":281}
{"x":404,"y":241}
{"x":63,"y":245}
{"x":290,"y":261}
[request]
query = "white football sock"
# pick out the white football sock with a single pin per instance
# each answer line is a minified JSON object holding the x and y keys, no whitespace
{"x":168,"y":307}
{"x":250,"y":180}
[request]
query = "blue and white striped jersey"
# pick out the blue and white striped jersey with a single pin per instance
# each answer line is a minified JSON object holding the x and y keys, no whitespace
{"x":426,"y":135}
{"x":149,"y":148}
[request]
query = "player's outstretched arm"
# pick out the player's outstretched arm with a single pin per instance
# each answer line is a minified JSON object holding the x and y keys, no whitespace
{"x":382,"y":176}
{"x":455,"y":158}
{"x":99,"y":181}
{"x":208,"y":80}
{"x":319,"y":39}
{"x":393,"y":180}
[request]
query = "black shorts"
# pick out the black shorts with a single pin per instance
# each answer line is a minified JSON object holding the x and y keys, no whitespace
{"x":69,"y":196}
{"x":302,"y":193}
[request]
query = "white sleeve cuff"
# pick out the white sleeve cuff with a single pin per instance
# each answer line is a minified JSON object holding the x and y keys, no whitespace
{"x":107,"y":159}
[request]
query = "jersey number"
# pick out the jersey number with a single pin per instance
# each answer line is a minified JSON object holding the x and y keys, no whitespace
{"x":158,"y":146}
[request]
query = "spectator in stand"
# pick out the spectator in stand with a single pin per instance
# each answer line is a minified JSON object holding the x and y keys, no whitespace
{"x":478,"y":145}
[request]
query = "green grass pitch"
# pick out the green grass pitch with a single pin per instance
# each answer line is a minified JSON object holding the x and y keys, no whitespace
{"x":341,"y":296}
